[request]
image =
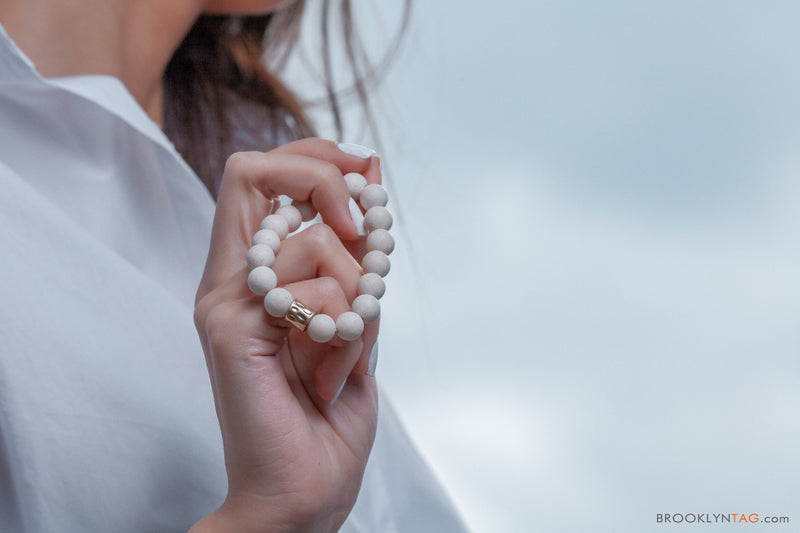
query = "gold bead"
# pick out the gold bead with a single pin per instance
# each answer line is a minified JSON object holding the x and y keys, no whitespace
{"x":299,"y":315}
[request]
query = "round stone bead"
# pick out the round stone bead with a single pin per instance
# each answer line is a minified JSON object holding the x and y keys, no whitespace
{"x":373,"y":195}
{"x":321,"y":328}
{"x":277,"y":302}
{"x":291,"y":215}
{"x":381,"y":240}
{"x":367,"y":307}
{"x":377,"y":262}
{"x":268,"y":237}
{"x":377,"y":218}
{"x":261,"y":280}
{"x":355,"y":184}
{"x":371,"y":283}
{"x":276,"y":223}
{"x":260,"y":255}
{"x":349,"y":326}
{"x":307,"y":211}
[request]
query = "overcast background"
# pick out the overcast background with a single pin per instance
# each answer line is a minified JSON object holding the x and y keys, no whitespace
{"x":593,"y":314}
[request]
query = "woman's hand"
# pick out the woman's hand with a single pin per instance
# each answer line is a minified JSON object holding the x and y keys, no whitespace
{"x":295,"y":458}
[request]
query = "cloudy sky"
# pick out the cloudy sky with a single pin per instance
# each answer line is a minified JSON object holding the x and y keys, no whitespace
{"x":594,"y":313}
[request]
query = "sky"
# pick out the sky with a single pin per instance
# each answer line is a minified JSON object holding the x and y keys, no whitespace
{"x":593,"y":315}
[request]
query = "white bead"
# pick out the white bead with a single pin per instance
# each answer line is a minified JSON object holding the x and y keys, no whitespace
{"x":268,"y":237}
{"x":349,"y":326}
{"x":276,"y":223}
{"x":260,"y":255}
{"x":367,"y":307}
{"x":381,"y":240}
{"x":292,"y":216}
{"x":321,"y":328}
{"x":373,"y":195}
{"x":261,"y":280}
{"x":371,"y":283}
{"x":377,"y":218}
{"x":355,"y":184}
{"x":377,"y":262}
{"x":307,"y":211}
{"x":277,"y":302}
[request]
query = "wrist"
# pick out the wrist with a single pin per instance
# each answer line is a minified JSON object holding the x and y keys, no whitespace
{"x":253,"y":514}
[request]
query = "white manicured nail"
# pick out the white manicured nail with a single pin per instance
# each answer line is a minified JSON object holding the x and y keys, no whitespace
{"x":357,"y":150}
{"x":338,"y":392}
{"x":358,"y":217}
{"x":373,"y":360}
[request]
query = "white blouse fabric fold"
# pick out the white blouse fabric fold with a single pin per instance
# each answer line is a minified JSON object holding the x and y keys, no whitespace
{"x":107,"y":420}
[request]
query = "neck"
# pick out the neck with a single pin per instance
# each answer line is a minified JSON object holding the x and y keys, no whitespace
{"x":132,"y":41}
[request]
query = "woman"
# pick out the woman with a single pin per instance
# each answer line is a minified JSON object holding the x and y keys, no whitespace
{"x":106,"y":420}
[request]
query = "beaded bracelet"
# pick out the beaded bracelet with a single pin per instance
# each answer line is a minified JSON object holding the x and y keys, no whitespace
{"x":280,"y":303}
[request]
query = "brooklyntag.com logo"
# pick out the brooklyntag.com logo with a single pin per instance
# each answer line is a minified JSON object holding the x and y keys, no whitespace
{"x":719,"y":518}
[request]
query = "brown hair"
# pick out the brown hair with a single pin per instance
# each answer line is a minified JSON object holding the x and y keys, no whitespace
{"x":220,"y":97}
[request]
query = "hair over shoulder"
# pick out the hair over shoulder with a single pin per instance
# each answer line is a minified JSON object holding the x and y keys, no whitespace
{"x":220,"y":96}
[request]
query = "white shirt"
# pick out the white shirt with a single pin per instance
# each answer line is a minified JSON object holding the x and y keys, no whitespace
{"x":107,"y":420}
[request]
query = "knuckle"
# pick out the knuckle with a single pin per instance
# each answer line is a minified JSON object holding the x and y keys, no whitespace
{"x":213,"y":322}
{"x":216,"y":330}
{"x":201,"y":309}
{"x":329,"y":174}
{"x":199,"y":319}
{"x":329,"y":289}
{"x":320,"y":236}
{"x":237,"y":164}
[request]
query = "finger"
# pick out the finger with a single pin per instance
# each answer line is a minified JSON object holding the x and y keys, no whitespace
{"x":341,"y":155}
{"x":250,"y":183}
{"x":268,"y":175}
{"x":226,"y":321}
{"x":369,"y":166}
{"x":246,"y":376}
{"x":323,"y":368}
{"x":373,"y":172}
{"x":331,"y":374}
{"x":357,"y":248}
{"x":317,"y":252}
{"x":369,"y":338}
{"x":313,"y":253}
{"x":252,"y":180}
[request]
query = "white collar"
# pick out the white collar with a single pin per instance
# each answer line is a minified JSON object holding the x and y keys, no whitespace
{"x":106,"y":91}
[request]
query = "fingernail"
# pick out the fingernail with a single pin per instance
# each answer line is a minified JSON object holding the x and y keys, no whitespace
{"x":357,"y":150}
{"x":373,"y":360}
{"x":336,"y":397}
{"x":358,"y":218}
